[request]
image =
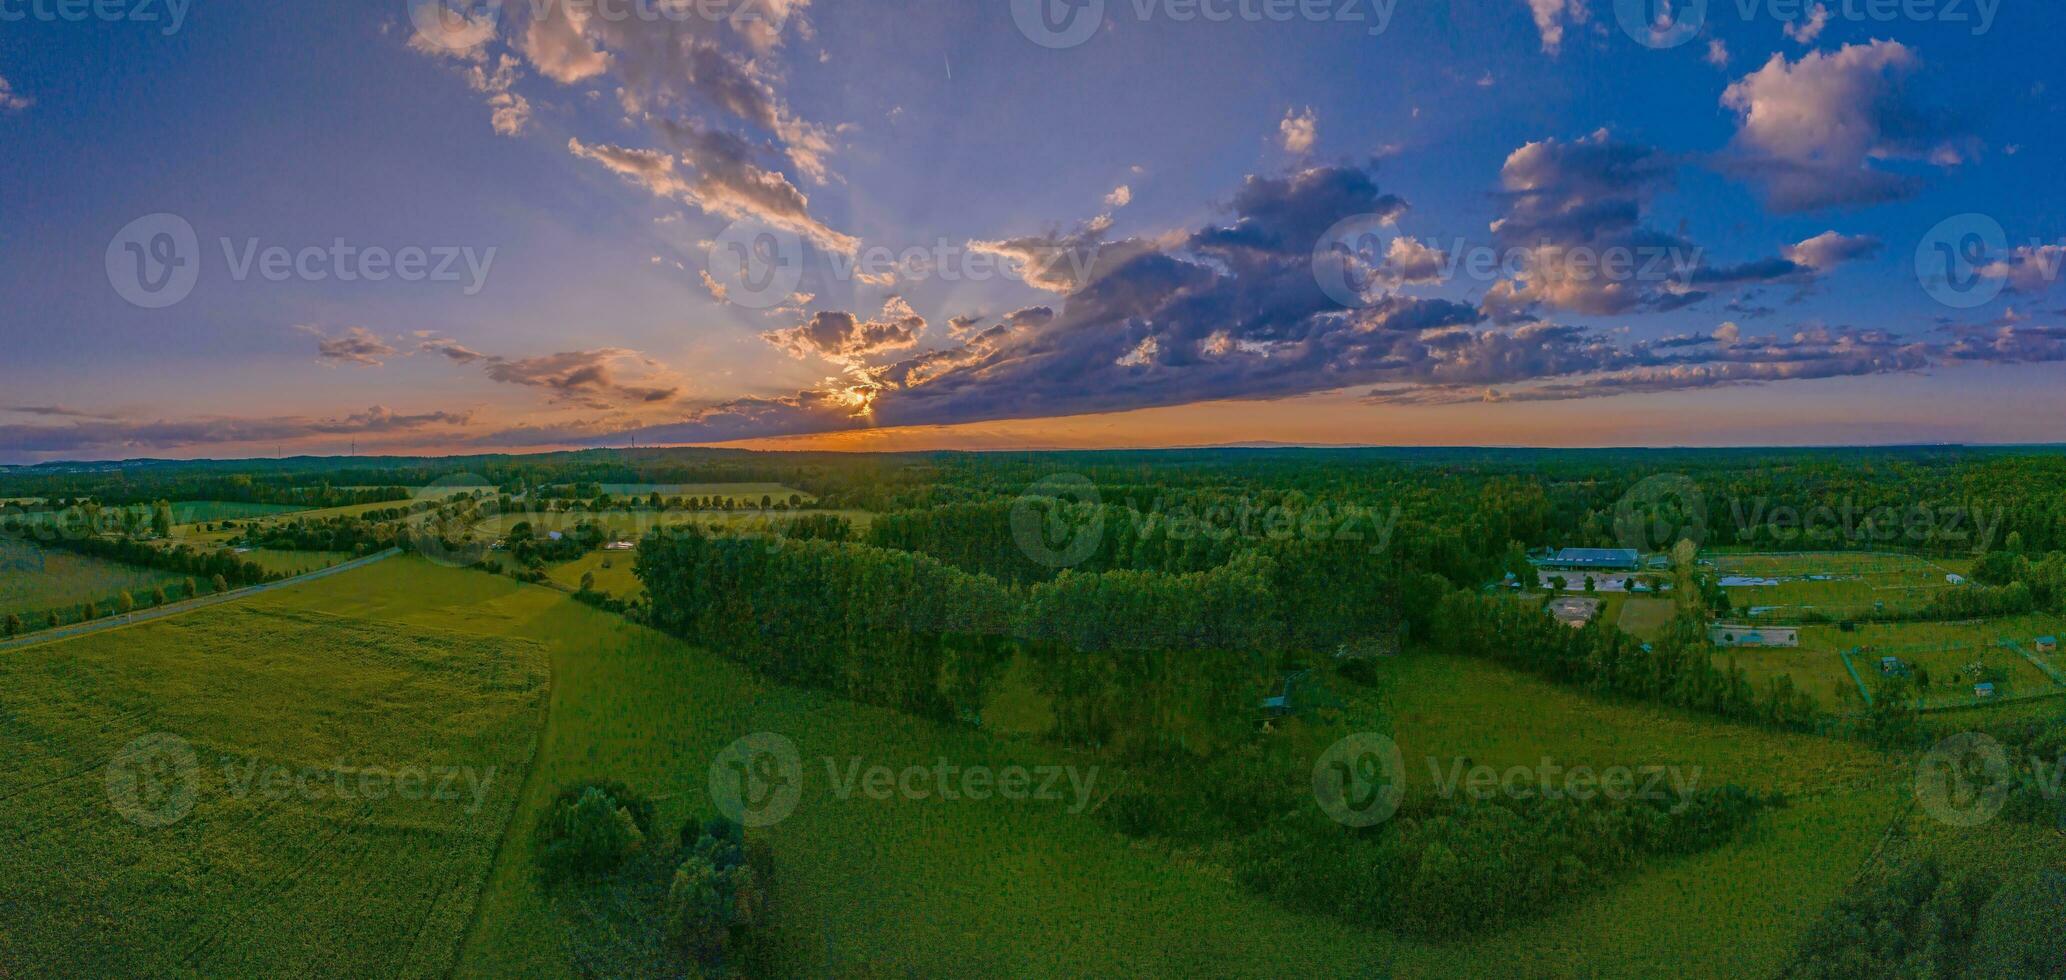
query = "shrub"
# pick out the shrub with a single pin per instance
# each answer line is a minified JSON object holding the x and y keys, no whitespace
{"x":591,"y":828}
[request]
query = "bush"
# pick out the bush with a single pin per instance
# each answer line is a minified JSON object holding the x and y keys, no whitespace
{"x":2018,"y":933}
{"x":717,"y":895}
{"x":591,"y":828}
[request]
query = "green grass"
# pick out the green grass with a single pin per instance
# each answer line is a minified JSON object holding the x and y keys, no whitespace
{"x":1646,"y":618}
{"x":933,"y":887}
{"x":266,"y":875}
{"x":1854,"y":585}
{"x":939,"y":888}
{"x":293,"y":562}
{"x":1815,"y":666}
{"x":35,"y":580}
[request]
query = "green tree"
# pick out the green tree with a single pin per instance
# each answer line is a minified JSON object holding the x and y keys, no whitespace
{"x":92,"y":611}
{"x":125,"y":603}
{"x":158,"y":596}
{"x":161,"y":519}
{"x":220,"y":584}
{"x":588,"y":581}
{"x":193,"y":589}
{"x":13,"y":625}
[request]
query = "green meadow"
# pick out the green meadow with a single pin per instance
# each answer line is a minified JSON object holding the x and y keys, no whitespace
{"x":35,"y":581}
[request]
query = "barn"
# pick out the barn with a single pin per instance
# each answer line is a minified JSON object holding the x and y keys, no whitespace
{"x":1732,"y":635}
{"x":1595,"y":560}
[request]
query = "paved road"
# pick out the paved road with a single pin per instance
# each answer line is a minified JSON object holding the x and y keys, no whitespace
{"x":187,"y":605}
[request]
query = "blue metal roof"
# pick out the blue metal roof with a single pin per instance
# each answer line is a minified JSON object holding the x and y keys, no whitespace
{"x":1598,"y":557}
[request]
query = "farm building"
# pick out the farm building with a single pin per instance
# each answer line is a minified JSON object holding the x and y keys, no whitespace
{"x":1728,"y":635}
{"x":620,"y":546}
{"x":1893,"y":667}
{"x":1983,"y":690}
{"x":2047,"y":644}
{"x":1595,"y":559}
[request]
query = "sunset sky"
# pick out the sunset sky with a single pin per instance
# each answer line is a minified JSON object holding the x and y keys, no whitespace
{"x":993,"y":225}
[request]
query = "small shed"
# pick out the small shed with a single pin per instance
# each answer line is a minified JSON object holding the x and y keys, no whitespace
{"x":1983,"y":691}
{"x":1893,"y":667}
{"x":2047,"y":644}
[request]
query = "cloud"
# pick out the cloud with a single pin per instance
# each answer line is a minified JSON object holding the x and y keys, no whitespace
{"x":1717,"y":52}
{"x":451,"y":350}
{"x":725,"y":181}
{"x":114,"y":434}
{"x":1120,"y":197}
{"x":1814,"y":131}
{"x":356,"y":345}
{"x":1231,"y":310}
{"x":681,"y":64}
{"x":1808,"y":28}
{"x":1830,"y":249}
{"x":593,"y":378}
{"x":1550,"y":17}
{"x":842,"y":338}
{"x":11,"y":101}
{"x":1298,"y":130}
{"x":53,"y":411}
{"x":1571,"y":202}
{"x":2027,"y":269}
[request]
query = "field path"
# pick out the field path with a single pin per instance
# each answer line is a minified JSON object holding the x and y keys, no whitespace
{"x":188,"y":605}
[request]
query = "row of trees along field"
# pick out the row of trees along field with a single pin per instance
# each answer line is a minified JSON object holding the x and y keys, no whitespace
{"x":180,"y":559}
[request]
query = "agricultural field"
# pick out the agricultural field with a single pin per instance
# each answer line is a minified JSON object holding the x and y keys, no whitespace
{"x":293,"y":562}
{"x":947,"y":886}
{"x":36,"y":580}
{"x":1944,"y":650}
{"x":258,"y":789}
{"x":1646,"y":618}
{"x":1783,"y":588}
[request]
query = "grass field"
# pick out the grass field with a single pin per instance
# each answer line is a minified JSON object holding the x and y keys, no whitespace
{"x":35,"y":580}
{"x":1835,"y":585}
{"x":348,"y":782}
{"x":1941,"y":648}
{"x":1646,"y":618}
{"x":899,"y":887}
{"x":938,"y":888}
{"x":293,"y":562}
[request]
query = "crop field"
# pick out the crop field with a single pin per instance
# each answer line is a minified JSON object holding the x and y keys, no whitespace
{"x":35,"y":580}
{"x":1781,"y":588}
{"x":256,"y":789}
{"x":293,"y":562}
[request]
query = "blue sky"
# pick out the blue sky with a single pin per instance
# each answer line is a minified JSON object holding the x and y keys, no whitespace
{"x":1169,"y":180}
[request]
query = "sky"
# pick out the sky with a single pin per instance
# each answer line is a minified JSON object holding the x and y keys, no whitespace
{"x":452,"y":226}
